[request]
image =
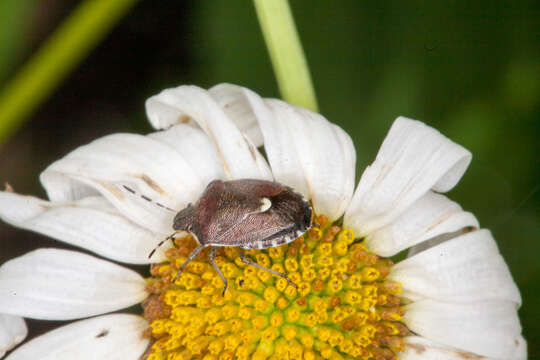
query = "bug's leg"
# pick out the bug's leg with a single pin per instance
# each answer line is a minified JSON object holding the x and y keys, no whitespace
{"x":170,"y":237}
{"x":249,"y":262}
{"x":211,"y":255}
{"x":192,"y":256}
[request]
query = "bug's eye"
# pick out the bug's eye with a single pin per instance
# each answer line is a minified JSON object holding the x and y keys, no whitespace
{"x":308,"y":217}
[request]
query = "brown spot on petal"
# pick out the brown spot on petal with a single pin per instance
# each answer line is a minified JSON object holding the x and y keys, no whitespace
{"x":218,"y":151}
{"x":468,"y":355}
{"x":385,"y":169}
{"x":439,"y":221}
{"x":116,"y":192}
{"x":102,"y":333}
{"x":183,"y":119}
{"x":468,"y":229}
{"x":419,"y":349}
{"x":152,"y":184}
{"x":251,"y":148}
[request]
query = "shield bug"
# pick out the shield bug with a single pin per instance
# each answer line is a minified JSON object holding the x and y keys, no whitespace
{"x":247,"y":214}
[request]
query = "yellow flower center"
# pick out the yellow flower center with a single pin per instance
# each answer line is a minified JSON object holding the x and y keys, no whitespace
{"x":344,"y":306}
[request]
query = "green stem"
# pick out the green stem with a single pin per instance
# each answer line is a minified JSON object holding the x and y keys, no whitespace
{"x":286,"y":52}
{"x":65,"y":48}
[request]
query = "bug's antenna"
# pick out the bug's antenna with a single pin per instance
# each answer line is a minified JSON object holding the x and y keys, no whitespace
{"x":170,"y":237}
{"x":144,"y":197}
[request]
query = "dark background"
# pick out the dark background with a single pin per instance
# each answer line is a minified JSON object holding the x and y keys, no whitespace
{"x":470,"y":69}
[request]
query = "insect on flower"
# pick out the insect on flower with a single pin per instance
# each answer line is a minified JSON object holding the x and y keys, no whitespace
{"x":452,"y":297}
{"x":248,"y":214}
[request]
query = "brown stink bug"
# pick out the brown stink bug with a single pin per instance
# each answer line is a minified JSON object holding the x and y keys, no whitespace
{"x":248,"y":214}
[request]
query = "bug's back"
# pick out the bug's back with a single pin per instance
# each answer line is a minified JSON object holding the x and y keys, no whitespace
{"x":251,"y":214}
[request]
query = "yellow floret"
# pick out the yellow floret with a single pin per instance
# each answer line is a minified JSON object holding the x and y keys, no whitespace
{"x":340,"y":304}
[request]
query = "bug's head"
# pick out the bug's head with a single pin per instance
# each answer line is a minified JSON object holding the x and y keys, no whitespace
{"x":185,"y":219}
{"x":290,"y":209}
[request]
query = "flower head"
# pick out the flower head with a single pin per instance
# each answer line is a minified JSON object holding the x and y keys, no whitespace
{"x":344,"y":304}
{"x":452,"y":297}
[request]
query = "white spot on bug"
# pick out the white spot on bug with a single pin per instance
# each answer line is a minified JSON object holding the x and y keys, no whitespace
{"x":266,"y":204}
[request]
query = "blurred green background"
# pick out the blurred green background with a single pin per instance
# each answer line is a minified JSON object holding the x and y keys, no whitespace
{"x":470,"y":69}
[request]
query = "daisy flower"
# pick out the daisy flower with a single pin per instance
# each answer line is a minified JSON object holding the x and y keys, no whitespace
{"x":452,"y":297}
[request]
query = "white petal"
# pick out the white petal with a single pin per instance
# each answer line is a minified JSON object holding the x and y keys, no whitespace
{"x":150,"y":167}
{"x":196,"y":148}
{"x":307,"y":152}
{"x":431,"y":215}
{"x":487,"y":328}
{"x":91,"y":223}
{"x":418,"y":348}
{"x":13,"y":330}
{"x":232,"y":99}
{"x":468,"y":268}
{"x":228,"y":97}
{"x":54,"y":284}
{"x":240,"y":158}
{"x":111,"y":337}
{"x":280,"y":146}
{"x":520,"y":351}
{"x":413,"y":159}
